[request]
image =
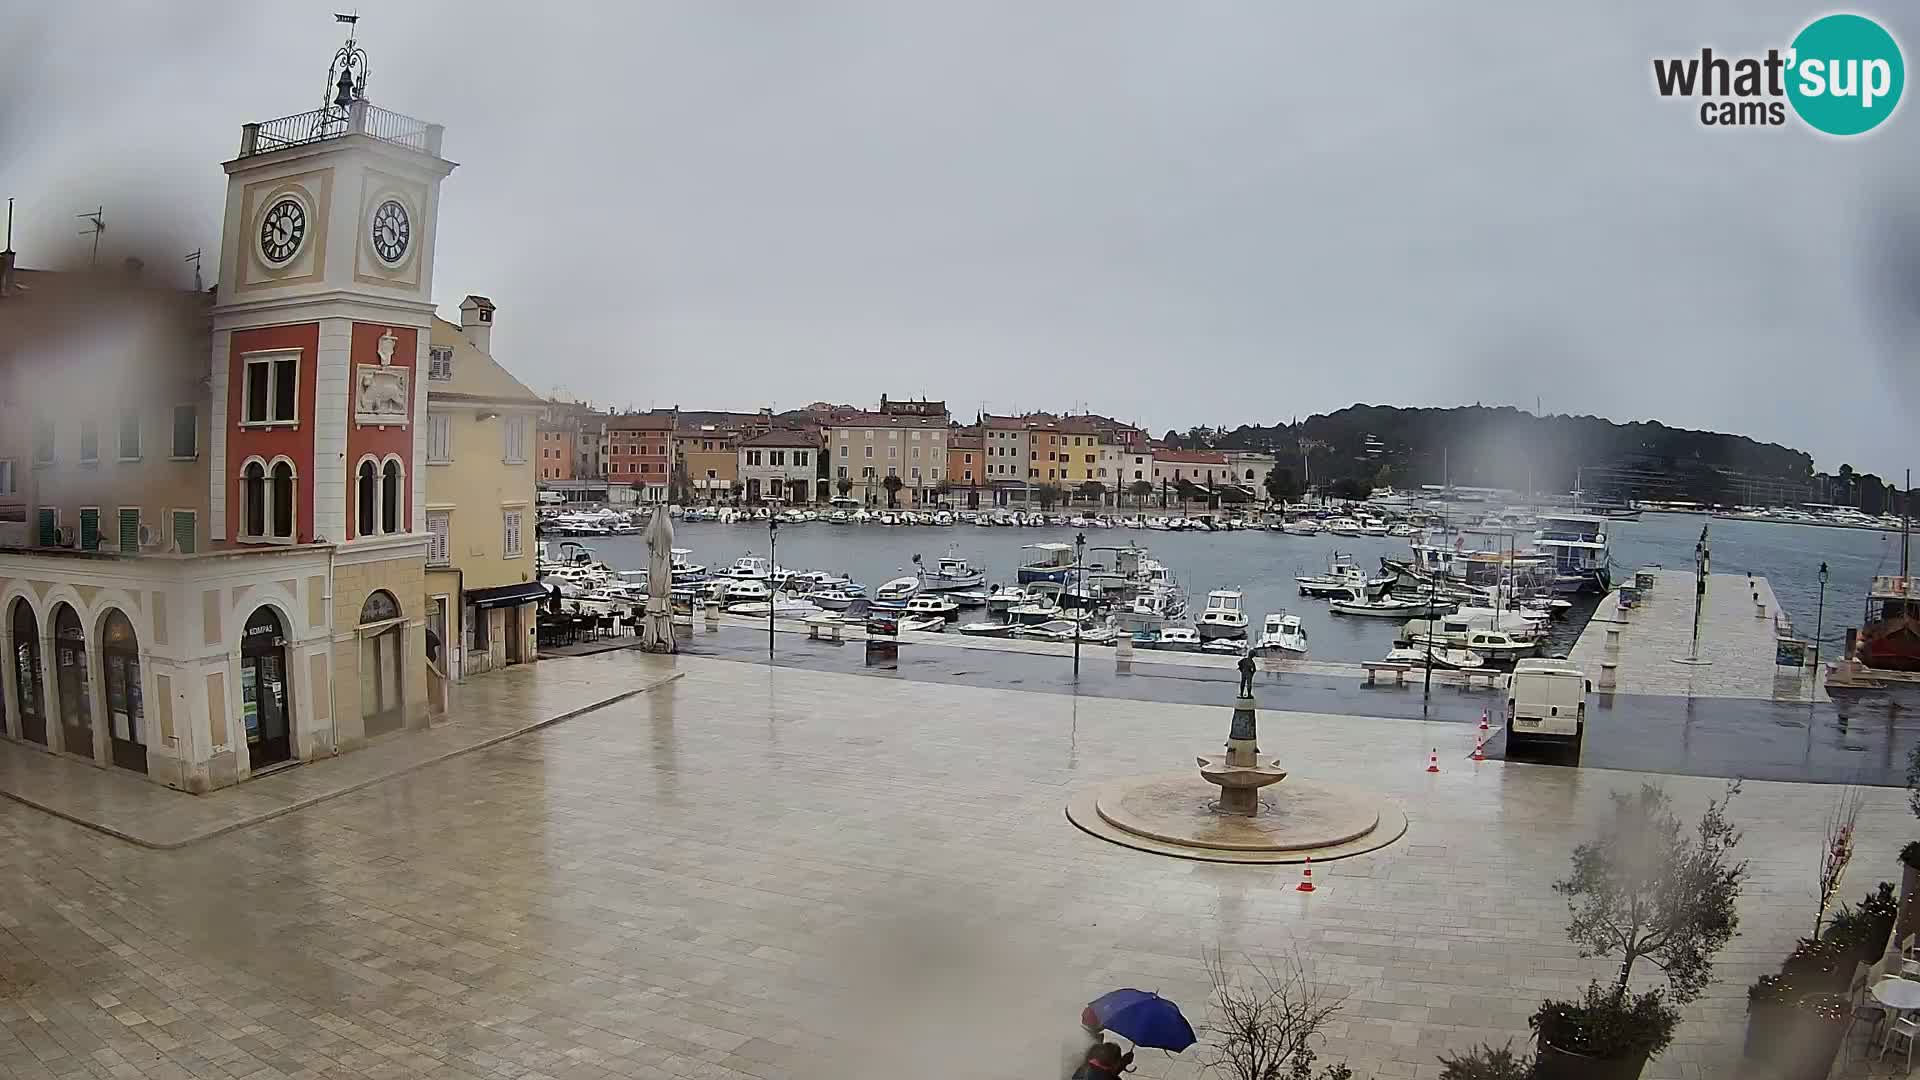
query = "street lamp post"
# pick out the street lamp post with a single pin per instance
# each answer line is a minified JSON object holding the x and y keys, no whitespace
{"x":1819,"y":625}
{"x":773,"y":528}
{"x":1080,"y":571}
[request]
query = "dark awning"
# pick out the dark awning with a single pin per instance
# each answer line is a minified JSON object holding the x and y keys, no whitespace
{"x":531,"y":592}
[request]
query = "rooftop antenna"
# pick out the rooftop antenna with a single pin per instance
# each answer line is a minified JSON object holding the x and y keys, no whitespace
{"x":96,"y":224}
{"x":194,"y":258}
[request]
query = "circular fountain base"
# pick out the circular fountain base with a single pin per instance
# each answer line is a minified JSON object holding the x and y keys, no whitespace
{"x":1179,"y":815}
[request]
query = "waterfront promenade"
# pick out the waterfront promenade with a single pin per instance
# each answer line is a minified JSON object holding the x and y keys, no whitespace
{"x":763,"y":872}
{"x":1736,"y":642}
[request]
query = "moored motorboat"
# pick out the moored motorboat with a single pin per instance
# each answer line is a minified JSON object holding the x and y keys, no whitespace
{"x":897,"y":592}
{"x":1283,"y":633}
{"x":1223,"y":616}
{"x":932,"y":605}
{"x":987,"y":629}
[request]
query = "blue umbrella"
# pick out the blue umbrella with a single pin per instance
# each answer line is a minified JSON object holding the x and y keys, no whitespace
{"x":1145,"y":1019}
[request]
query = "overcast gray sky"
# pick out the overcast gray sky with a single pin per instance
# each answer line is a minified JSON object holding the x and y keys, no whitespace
{"x":1178,"y":213}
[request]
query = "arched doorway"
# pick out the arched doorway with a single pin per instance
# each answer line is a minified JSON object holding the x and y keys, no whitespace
{"x":25,"y":651}
{"x":382,"y":629}
{"x":126,"y":715}
{"x":70,"y":676}
{"x":266,"y":694}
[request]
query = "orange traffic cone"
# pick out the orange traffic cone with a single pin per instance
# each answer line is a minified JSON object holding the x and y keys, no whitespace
{"x":1433,"y":761}
{"x":1480,"y":748}
{"x":1306,"y":878}
{"x":1483,"y":721}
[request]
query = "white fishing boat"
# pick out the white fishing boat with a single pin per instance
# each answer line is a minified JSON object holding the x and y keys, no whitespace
{"x":1344,"y":526}
{"x":897,"y":592}
{"x":968,"y":597}
{"x":1177,"y":639}
{"x":835,"y":599}
{"x":1305,"y":526}
{"x":1039,"y":608}
{"x":932,"y":605}
{"x":1283,"y":633}
{"x":1225,"y":647}
{"x":1451,"y":658}
{"x":923,"y":624}
{"x":987,"y":629}
{"x":1372,"y":526}
{"x":951,"y":572}
{"x":1223,"y":616}
{"x":1050,"y":630}
{"x":732,"y":591}
{"x":1006,"y":597}
{"x":749,"y":568}
{"x":1393,"y":607}
{"x":783,"y":608}
{"x":1343,"y":574}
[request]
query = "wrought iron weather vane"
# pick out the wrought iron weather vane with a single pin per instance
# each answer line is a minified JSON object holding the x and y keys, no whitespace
{"x":347,"y":74}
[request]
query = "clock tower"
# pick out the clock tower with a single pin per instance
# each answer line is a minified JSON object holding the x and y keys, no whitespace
{"x":319,"y":353}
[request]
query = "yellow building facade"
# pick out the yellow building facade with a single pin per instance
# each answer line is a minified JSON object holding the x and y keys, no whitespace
{"x":482,"y":466}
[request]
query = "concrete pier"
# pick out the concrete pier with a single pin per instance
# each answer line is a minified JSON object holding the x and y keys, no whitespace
{"x":1736,"y":642}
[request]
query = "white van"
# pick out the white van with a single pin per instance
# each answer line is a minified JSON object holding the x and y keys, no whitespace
{"x":1547,"y":699}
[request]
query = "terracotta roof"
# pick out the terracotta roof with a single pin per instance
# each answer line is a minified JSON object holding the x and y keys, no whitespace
{"x":640,"y":422}
{"x":1188,"y":457}
{"x":882,"y":420}
{"x":809,"y":440}
{"x":964,"y":439}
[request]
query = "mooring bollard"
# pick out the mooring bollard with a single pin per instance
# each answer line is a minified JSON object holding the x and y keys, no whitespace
{"x":1608,"y":674}
{"x":711,"y":612}
{"x":1613,"y":639}
{"x":1123,"y":653}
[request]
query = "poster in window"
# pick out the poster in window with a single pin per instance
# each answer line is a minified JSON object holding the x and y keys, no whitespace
{"x":250,"y":703}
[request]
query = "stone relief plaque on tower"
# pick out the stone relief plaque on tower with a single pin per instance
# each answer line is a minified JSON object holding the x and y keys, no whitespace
{"x":381,"y":390}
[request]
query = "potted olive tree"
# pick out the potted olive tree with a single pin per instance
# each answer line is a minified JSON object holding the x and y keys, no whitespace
{"x":1645,"y":888}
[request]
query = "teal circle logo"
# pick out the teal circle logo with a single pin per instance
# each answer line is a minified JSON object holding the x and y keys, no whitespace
{"x":1845,"y":74}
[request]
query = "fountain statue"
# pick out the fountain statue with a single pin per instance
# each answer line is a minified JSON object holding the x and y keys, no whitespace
{"x":1240,"y":773}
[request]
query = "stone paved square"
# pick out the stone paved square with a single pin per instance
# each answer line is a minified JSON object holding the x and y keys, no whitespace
{"x":781,"y":873}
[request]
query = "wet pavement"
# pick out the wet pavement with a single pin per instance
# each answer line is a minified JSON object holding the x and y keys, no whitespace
{"x":1859,"y":740}
{"x":758,"y":873}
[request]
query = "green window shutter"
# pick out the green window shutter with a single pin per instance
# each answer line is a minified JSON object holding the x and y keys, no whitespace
{"x":89,"y":530}
{"x":49,"y":520}
{"x":129,"y":530}
{"x":183,"y":531}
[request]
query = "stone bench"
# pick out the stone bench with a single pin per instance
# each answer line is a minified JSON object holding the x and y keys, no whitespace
{"x":826,"y":631}
{"x":1376,"y":667}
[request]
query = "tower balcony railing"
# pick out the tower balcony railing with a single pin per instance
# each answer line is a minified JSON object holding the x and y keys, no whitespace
{"x":360,"y":118}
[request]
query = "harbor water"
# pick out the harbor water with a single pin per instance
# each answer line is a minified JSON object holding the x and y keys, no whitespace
{"x":1263,"y":564}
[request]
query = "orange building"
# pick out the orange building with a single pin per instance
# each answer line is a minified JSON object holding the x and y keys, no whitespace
{"x":556,"y":454}
{"x":640,"y":453}
{"x":966,"y":466}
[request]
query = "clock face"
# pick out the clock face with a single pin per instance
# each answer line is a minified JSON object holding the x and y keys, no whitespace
{"x":282,"y":230}
{"x":391,"y":232}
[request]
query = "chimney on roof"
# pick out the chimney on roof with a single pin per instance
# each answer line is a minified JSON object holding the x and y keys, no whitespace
{"x":476,"y":322}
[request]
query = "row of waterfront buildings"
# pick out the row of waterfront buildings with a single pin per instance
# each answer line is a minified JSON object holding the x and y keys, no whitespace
{"x":910,"y":453}
{"x":254,"y":524}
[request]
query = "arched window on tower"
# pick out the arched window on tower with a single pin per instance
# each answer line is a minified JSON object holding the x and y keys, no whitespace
{"x":369,"y":480}
{"x":390,"y":497}
{"x":253,"y":500}
{"x":283,"y":501}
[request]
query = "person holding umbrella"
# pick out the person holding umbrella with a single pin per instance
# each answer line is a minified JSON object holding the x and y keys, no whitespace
{"x":1082,"y":1048}
{"x":1104,"y":1062}
{"x":1142,"y":1018}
